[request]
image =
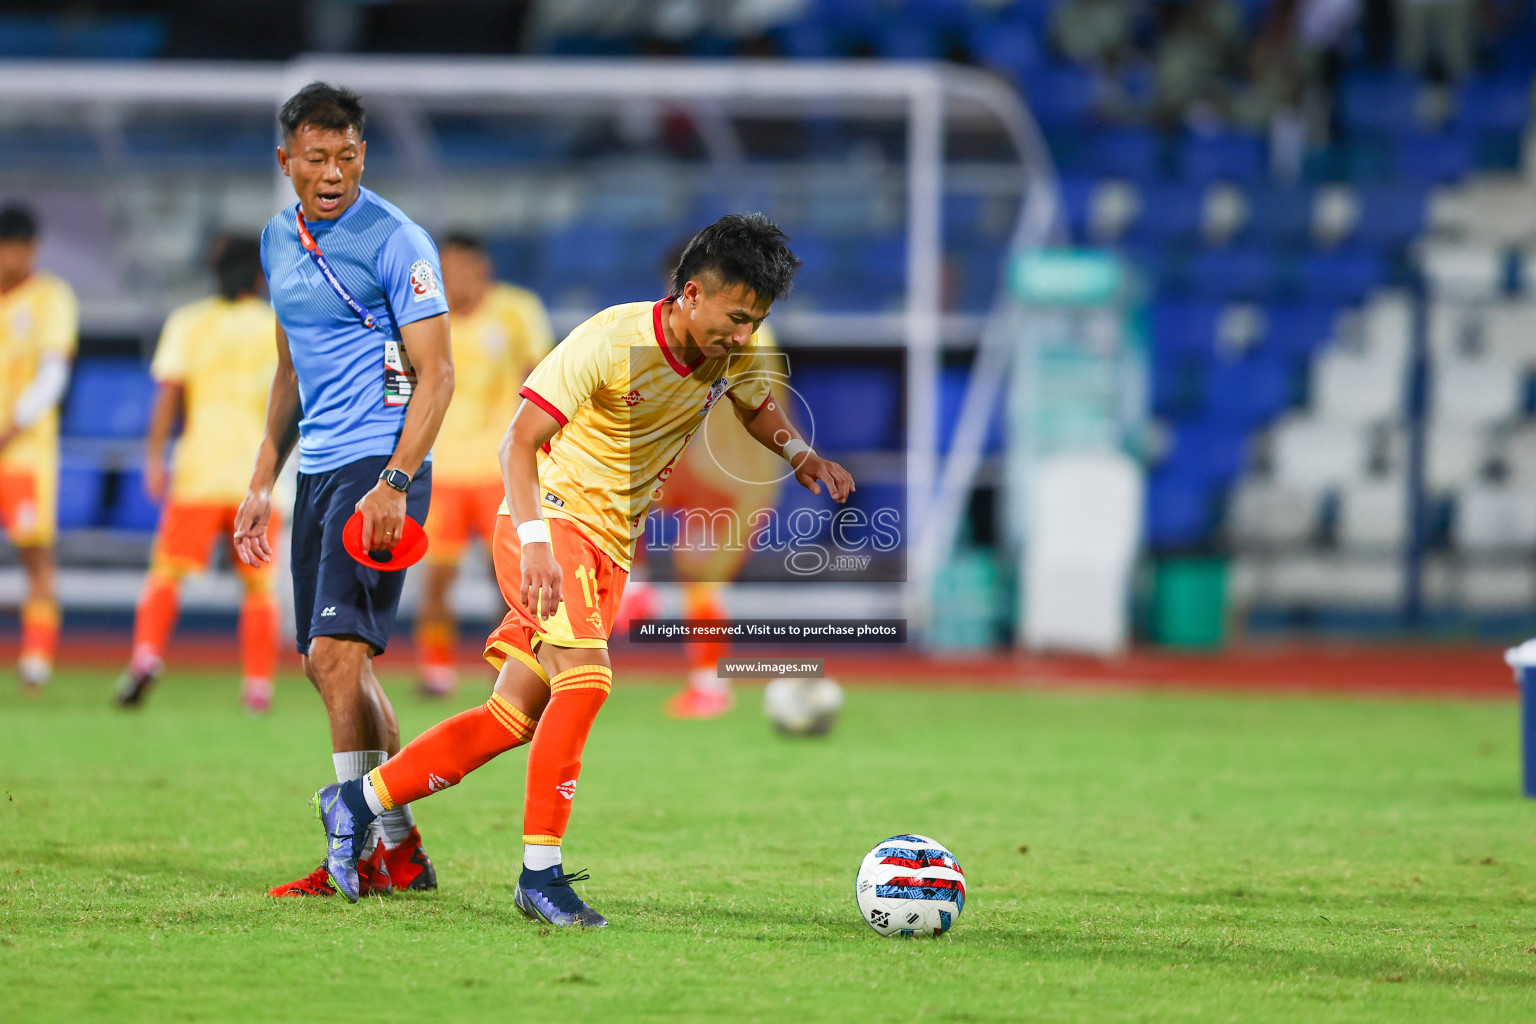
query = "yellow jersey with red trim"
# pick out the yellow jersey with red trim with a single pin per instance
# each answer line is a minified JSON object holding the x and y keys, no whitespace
{"x":223,"y":354}
{"x":627,"y":409}
{"x":39,"y":317}
{"x":494,"y":348}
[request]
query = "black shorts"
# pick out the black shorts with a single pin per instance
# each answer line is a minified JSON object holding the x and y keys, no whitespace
{"x":333,"y":595}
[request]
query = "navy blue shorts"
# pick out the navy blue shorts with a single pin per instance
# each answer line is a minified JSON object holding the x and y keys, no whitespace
{"x":333,"y":595}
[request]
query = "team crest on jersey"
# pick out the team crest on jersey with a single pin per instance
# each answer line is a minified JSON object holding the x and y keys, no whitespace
{"x":715,"y":391}
{"x":424,"y":284}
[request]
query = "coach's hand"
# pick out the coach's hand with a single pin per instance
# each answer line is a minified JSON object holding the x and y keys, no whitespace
{"x":813,"y":471}
{"x":251,"y":521}
{"x":541,"y":580}
{"x":383,"y":510}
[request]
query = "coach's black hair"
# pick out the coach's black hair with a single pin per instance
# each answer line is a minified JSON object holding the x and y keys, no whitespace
{"x":17,"y":223}
{"x":465,"y":240}
{"x":740,"y":248}
{"x":328,"y":107}
{"x":237,"y":266}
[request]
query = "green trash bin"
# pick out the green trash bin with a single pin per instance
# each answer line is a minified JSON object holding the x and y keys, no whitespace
{"x":1189,"y":602}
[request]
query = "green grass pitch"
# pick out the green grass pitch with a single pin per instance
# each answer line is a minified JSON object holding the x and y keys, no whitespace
{"x":1129,"y":857}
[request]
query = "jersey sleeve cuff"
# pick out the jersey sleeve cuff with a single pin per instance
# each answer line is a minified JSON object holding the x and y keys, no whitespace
{"x":540,"y":401}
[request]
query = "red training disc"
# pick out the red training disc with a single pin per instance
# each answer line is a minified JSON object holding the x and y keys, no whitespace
{"x":406,"y":553}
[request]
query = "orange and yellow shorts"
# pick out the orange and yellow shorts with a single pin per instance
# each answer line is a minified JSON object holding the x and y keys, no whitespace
{"x":188,"y":531}
{"x":29,"y":502}
{"x":591,"y":583}
{"x":460,"y":513}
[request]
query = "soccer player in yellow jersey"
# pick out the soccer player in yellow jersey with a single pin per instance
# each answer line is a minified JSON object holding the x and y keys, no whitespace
{"x":39,"y":323}
{"x":500,"y":332}
{"x":212,"y":365}
{"x":605,"y":417}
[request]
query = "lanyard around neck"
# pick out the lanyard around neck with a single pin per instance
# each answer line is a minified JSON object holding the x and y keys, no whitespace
{"x":313,"y":249}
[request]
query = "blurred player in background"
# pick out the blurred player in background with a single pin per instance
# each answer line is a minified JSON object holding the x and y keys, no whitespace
{"x":213,"y":365}
{"x":500,"y":332}
{"x":364,"y":375}
{"x":39,"y":325}
{"x":605,"y":417}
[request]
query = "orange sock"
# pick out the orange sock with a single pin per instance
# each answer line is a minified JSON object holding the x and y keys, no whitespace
{"x":155,"y":619}
{"x":40,"y":629}
{"x":450,"y":750}
{"x":554,"y":761}
{"x":435,"y":643}
{"x":700,"y":602}
{"x":258,"y":635}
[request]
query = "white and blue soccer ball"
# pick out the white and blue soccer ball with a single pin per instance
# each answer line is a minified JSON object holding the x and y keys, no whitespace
{"x":910,"y":885}
{"x":803,"y":707}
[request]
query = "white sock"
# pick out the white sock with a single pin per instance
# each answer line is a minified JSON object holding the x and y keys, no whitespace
{"x":374,"y":803}
{"x":396,"y":824}
{"x":540,"y":858}
{"x":354,"y":764}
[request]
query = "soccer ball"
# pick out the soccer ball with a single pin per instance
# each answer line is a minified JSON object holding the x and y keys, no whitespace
{"x":802,"y":707}
{"x":910,"y":885}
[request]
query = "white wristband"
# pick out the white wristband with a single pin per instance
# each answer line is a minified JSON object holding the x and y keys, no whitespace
{"x":534,"y":531}
{"x":794,"y":446}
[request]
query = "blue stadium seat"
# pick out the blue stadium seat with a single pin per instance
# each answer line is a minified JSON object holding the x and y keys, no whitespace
{"x":1432,"y":158}
{"x":1346,"y":275}
{"x":1006,"y":46}
{"x":1390,"y":216}
{"x":1134,"y":153}
{"x":81,"y":487}
{"x":806,"y":40}
{"x":1279,"y":216}
{"x":131,"y":508}
{"x":1208,"y":451}
{"x":1225,"y":157}
{"x":1237,"y":273}
{"x":908,"y":40}
{"x":1185,"y":326}
{"x":1077,"y":203}
{"x":1374,"y":102}
{"x":112,"y":38}
{"x":1180,"y":512}
{"x":1249,"y":392}
{"x":808,"y":515}
{"x":859,"y":532}
{"x":852,"y":408}
{"x":952,"y":383}
{"x":108,"y":398}
{"x":1169,"y":213}
{"x":1060,"y":94}
{"x":980,"y":277}
{"x":1496,"y":104}
{"x":1299,"y":330}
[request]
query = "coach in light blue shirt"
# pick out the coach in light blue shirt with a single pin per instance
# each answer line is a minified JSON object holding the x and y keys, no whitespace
{"x":365,"y":373}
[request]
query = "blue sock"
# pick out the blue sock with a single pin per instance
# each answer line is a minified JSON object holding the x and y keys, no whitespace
{"x":352,"y":796}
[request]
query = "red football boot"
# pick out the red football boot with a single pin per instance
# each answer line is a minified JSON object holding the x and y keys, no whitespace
{"x":373,"y":878}
{"x":692,"y":702}
{"x":408,"y":865}
{"x":316,"y":883}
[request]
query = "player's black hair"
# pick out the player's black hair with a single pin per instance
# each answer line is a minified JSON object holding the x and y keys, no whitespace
{"x":329,"y":107}
{"x":465,"y":240}
{"x":17,"y":223}
{"x":740,"y":248}
{"x":237,"y":266}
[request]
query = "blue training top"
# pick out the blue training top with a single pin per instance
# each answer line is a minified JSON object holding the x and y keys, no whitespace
{"x":390,"y":265}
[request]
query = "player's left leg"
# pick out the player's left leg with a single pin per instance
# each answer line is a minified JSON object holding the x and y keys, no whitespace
{"x":437,"y":634}
{"x":183,"y":541}
{"x":707,"y":695}
{"x":39,"y":618}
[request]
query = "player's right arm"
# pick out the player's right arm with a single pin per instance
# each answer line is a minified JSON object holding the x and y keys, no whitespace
{"x":530,"y":430}
{"x":281,"y":433}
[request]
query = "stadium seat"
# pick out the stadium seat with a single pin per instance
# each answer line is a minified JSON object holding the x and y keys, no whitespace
{"x":1475,"y":390}
{"x":1006,"y":46}
{"x":908,"y":40}
{"x":1226,"y":157}
{"x":1315,"y":453}
{"x":1300,"y":330}
{"x":1343,"y":276}
{"x":1060,"y":94}
{"x":1249,"y":392}
{"x":1265,"y":513}
{"x":81,"y":488}
{"x":1169,"y":213}
{"x":863,"y":532}
{"x":1279,"y":216}
{"x":1390,"y":216}
{"x":1185,"y":326}
{"x":1432,"y":158}
{"x":1495,"y":104}
{"x":1358,"y":388}
{"x":1494,"y":519}
{"x":1239,"y":273}
{"x":1206,"y":450}
{"x":1134,"y":153}
{"x":952,"y":385}
{"x":1180,"y":512}
{"x":852,"y":408}
{"x":108,"y":398}
{"x":131,"y":508}
{"x":1379,"y":103}
{"x":1373,"y":514}
{"x":809,"y":516}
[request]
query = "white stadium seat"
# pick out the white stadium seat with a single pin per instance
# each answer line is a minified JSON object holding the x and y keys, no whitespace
{"x":1318,"y":453}
{"x":1373,"y":515}
{"x":1494,"y":519}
